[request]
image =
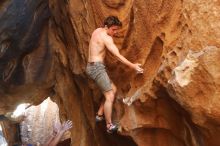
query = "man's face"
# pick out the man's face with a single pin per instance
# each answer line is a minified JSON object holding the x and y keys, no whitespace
{"x":113,"y":30}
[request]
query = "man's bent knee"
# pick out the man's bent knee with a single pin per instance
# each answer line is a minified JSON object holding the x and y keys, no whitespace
{"x":109,"y":96}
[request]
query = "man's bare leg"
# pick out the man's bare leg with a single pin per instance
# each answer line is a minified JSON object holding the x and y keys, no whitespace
{"x":109,"y":99}
{"x":101,"y":108}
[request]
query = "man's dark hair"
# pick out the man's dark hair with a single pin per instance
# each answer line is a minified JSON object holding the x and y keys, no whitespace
{"x":112,"y":21}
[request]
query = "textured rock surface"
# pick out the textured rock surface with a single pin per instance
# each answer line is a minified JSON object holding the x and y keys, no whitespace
{"x":37,"y":126}
{"x":10,"y":132}
{"x":195,"y":86}
{"x":24,"y":50}
{"x":42,"y":56}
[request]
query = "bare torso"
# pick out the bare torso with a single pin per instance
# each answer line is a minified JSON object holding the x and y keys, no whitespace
{"x":102,"y":39}
{"x":97,"y":49}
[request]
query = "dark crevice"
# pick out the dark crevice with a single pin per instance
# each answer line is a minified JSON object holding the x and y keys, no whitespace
{"x":194,"y":134}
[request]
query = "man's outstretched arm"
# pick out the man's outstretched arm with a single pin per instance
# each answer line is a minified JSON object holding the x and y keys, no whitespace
{"x":114,"y":50}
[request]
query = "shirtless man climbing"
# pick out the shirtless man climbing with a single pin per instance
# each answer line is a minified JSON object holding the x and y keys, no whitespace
{"x":100,"y":41}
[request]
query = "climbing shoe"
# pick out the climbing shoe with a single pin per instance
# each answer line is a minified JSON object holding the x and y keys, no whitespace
{"x":112,"y":128}
{"x":99,"y":118}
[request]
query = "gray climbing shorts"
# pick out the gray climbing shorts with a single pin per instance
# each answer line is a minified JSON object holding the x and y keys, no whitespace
{"x":97,"y":72}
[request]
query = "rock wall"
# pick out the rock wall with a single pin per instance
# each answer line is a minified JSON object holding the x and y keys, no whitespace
{"x":199,"y":72}
{"x":24,"y":49}
{"x":44,"y":52}
{"x":10,"y":132}
{"x":37,"y":126}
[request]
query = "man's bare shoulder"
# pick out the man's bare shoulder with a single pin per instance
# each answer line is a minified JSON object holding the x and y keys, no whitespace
{"x":97,"y":31}
{"x":107,"y":38}
{"x":101,"y":34}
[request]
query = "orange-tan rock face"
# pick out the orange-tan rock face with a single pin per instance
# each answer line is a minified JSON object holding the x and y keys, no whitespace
{"x":175,"y":101}
{"x":195,"y":85}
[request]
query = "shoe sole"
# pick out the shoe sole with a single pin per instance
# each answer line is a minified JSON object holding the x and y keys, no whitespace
{"x":112,"y":130}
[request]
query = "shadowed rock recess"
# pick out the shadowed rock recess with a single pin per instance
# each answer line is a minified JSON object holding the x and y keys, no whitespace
{"x":176,"y":102}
